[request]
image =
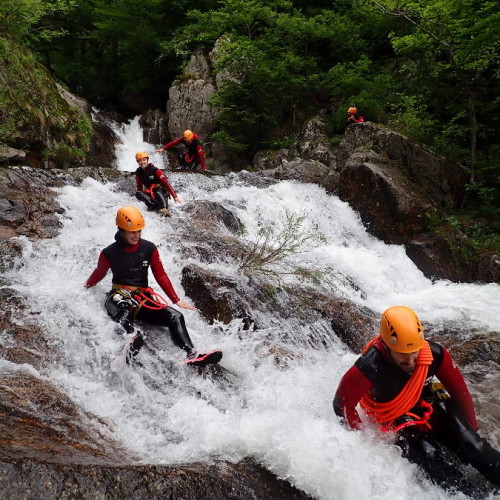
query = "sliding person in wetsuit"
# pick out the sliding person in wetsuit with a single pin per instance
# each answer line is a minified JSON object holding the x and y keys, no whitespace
{"x":193,"y":154}
{"x":153,"y":187}
{"x":392,"y":382}
{"x":131,"y":299}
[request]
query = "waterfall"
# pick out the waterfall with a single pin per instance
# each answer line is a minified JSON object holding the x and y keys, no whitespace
{"x":281,"y":416}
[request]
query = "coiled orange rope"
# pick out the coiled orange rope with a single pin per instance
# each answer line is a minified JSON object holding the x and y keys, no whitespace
{"x":409,"y":395}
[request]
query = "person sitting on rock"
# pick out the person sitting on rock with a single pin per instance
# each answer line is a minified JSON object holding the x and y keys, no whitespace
{"x":392,"y":381}
{"x":153,"y":187}
{"x":192,"y":155}
{"x":131,"y":299}
{"x":353,"y":116}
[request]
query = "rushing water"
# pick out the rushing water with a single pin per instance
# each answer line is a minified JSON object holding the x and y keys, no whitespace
{"x":281,"y":416}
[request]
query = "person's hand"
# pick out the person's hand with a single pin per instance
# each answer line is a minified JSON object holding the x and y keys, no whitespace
{"x":185,"y":306}
{"x":159,"y":150}
{"x":177,"y":199}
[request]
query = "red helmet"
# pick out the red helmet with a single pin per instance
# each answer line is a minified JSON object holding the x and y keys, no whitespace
{"x":352,"y":110}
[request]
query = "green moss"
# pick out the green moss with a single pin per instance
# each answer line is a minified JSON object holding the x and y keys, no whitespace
{"x":33,"y":111}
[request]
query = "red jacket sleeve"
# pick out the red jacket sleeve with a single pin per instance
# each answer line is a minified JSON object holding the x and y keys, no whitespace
{"x":100,"y":271}
{"x":162,"y":278}
{"x":173,"y":143}
{"x":164,"y":182}
{"x":449,"y":374}
{"x":350,"y":390}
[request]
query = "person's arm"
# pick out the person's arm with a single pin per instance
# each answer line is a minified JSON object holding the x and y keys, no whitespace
{"x":350,"y":390}
{"x":164,"y":281}
{"x":201,"y":156}
{"x":162,"y":278}
{"x":451,"y":377}
{"x":359,"y":119}
{"x":169,"y":145}
{"x":99,"y":272}
{"x":164,"y":182}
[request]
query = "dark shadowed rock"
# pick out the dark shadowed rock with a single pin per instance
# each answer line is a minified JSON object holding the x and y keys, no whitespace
{"x":217,"y":297}
{"x":45,"y":481}
{"x":154,"y":123}
{"x":442,"y":181}
{"x":389,"y":203}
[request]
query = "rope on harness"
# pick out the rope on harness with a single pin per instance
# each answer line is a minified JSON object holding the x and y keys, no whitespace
{"x":151,"y":190}
{"x":409,"y":396}
{"x":152,"y":300}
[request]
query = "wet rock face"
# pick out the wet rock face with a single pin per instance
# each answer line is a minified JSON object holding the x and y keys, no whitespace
{"x":31,"y":479}
{"x":154,"y":125}
{"x":442,"y":181}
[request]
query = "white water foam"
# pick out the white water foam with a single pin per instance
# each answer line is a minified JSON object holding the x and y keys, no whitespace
{"x":280,"y":415}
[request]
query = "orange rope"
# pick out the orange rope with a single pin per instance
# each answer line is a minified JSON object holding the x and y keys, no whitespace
{"x":409,"y":395}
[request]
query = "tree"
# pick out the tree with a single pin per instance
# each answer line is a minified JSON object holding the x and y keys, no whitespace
{"x":456,"y":44}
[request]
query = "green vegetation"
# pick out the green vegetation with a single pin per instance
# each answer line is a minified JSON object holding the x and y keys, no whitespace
{"x":429,"y":69}
{"x":33,"y":109}
{"x":268,"y":255}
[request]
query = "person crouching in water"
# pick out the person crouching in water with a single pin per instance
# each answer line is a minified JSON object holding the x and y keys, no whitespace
{"x":392,"y":382}
{"x":130,"y":298}
{"x":153,"y":187}
{"x":193,"y":154}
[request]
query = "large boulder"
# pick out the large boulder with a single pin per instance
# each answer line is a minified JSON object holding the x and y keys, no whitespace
{"x":442,"y":181}
{"x":188,"y":106}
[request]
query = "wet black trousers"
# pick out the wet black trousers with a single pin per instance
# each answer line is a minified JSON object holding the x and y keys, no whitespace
{"x":450,"y":432}
{"x":160,"y":200}
{"x":167,"y":316}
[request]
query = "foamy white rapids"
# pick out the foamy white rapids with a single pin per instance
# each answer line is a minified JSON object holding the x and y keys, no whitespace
{"x":281,"y":416}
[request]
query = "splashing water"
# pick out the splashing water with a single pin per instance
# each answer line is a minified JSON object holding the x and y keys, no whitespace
{"x":280,"y":416}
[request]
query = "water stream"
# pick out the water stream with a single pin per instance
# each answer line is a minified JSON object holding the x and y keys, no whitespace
{"x":281,"y":416}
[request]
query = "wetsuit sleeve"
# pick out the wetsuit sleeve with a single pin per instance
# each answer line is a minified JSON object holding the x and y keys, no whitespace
{"x":350,"y":390}
{"x":201,"y":156}
{"x":162,"y":278}
{"x":451,"y":377}
{"x":100,"y":271}
{"x":173,"y":143}
{"x":358,"y":119}
{"x":164,"y":182}
{"x":138,"y":183}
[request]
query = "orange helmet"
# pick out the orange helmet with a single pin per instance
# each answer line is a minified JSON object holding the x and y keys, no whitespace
{"x":130,"y":219}
{"x":352,"y":110}
{"x":140,"y":155}
{"x":401,"y":330}
{"x":188,"y":135}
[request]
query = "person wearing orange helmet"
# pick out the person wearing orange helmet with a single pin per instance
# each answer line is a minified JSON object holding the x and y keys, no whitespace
{"x":353,"y":116}
{"x":131,"y":299}
{"x":193,"y":154}
{"x":153,"y":187}
{"x":392,"y":382}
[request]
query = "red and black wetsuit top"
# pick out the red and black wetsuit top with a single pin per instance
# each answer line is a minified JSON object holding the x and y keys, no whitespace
{"x":376,"y":374}
{"x":130,"y":264}
{"x":355,"y":119}
{"x":147,"y":177}
{"x":194,"y":148}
